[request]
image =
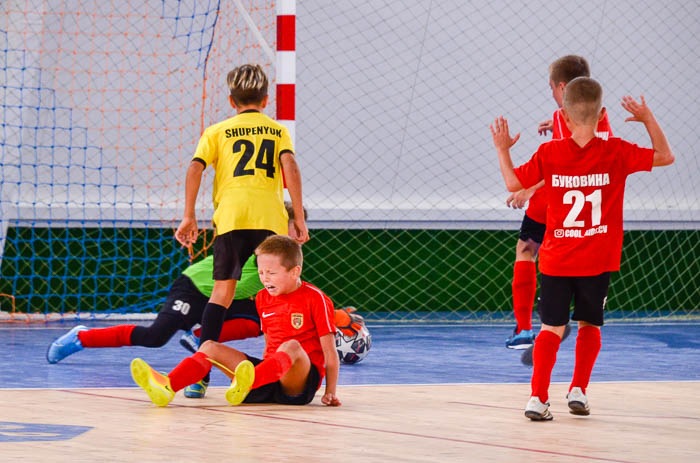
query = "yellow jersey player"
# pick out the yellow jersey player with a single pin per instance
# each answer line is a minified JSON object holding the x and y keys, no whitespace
{"x":249,"y":152}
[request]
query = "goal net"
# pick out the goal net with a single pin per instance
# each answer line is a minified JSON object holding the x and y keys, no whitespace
{"x":103,"y":103}
{"x":399,"y":166}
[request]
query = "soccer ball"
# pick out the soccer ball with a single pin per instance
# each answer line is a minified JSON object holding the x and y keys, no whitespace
{"x":352,"y":338}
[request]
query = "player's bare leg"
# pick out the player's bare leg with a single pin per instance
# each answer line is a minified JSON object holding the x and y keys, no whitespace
{"x":294,"y":380}
{"x":212,"y":321}
{"x":223,"y":291}
{"x":290,"y":365}
{"x":223,"y":355}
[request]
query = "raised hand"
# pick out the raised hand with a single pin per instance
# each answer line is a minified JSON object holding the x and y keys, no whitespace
{"x":500,"y":134}
{"x":640,"y":111}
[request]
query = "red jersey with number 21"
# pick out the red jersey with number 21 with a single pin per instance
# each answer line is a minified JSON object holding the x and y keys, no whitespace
{"x":305,"y":314}
{"x":584,"y":191}
{"x":537,"y":205}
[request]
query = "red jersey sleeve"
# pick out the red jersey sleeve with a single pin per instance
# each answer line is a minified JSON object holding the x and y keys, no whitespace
{"x":531,"y":173}
{"x":636,"y":158}
{"x":322,"y":313}
{"x":559,"y":128}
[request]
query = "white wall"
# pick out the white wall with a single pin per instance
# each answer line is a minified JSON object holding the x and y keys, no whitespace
{"x":102,"y":108}
{"x":395,"y":98}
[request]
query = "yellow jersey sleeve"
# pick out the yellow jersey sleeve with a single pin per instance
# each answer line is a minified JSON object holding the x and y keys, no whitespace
{"x":206,"y":149}
{"x":285,"y":141}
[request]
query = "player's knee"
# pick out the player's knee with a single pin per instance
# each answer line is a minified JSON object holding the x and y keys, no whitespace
{"x":208,"y":347}
{"x":558,"y":330}
{"x":223,"y":291}
{"x":292,"y":348}
{"x":526,"y":250}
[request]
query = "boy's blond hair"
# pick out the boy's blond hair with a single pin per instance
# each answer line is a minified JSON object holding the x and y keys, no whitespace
{"x":288,"y":250}
{"x":248,"y":84}
{"x":567,"y":68}
{"x":583,"y":100}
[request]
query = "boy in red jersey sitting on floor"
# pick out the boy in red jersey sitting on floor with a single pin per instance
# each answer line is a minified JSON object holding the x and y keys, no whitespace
{"x":561,"y":72}
{"x":585,"y":179}
{"x":298,"y":322}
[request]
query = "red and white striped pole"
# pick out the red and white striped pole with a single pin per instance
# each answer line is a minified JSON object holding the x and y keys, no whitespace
{"x":286,"y":63}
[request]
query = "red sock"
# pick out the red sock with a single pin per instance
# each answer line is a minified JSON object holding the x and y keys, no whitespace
{"x":238,"y":328}
{"x":524,"y":287}
{"x":587,"y":348}
{"x":114,"y":336}
{"x":544,"y":357}
{"x":272,"y":368}
{"x":189,"y":371}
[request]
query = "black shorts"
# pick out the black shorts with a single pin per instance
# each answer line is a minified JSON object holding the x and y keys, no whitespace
{"x":184,"y":300}
{"x":589,"y":294}
{"x":273,"y":393}
{"x":532,"y":230}
{"x":232,"y":250}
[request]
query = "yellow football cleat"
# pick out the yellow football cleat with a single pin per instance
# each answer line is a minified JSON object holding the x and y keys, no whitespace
{"x":242,"y":382}
{"x":156,"y":385}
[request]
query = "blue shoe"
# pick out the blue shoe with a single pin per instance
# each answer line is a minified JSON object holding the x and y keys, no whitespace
{"x":190,"y":342}
{"x":197,"y":390}
{"x":65,"y":345}
{"x":521,"y":340}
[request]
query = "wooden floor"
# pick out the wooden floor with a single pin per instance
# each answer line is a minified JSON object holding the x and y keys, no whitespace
{"x":630,"y":422}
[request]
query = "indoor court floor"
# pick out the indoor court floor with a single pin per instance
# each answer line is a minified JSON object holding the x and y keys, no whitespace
{"x":425,"y":393}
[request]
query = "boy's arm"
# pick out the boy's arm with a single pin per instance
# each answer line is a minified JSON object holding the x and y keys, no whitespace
{"x":186,"y":233}
{"x":518,"y":199}
{"x":332,"y":365}
{"x":293,"y":177}
{"x":663,"y":156}
{"x":503,"y":142}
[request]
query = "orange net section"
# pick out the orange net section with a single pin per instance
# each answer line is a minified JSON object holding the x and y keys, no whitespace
{"x":104,"y":105}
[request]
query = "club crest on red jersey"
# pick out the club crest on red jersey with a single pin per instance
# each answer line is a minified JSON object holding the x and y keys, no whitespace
{"x":297,"y":320}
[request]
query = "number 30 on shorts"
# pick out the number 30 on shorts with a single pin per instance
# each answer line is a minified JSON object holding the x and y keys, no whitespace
{"x":578,"y":199}
{"x":182,"y":307}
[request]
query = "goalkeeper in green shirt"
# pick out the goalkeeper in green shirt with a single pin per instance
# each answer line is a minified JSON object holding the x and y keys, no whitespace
{"x":182,"y":310}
